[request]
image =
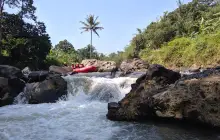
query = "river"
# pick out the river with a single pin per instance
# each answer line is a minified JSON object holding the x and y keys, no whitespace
{"x":82,"y":116}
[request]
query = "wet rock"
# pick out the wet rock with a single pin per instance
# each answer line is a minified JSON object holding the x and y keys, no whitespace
{"x":26,"y":71}
{"x":37,"y":76}
{"x":156,"y":79}
{"x":154,"y":95}
{"x":113,"y":105}
{"x":9,"y":89}
{"x":196,"y":100}
{"x":10,"y":72}
{"x":217,"y":68}
{"x":59,"y":70}
{"x":11,"y":84}
{"x":112,"y":113}
{"x":203,"y":74}
{"x":48,"y":91}
{"x":129,"y":66}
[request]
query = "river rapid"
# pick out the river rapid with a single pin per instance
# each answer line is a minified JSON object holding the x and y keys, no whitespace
{"x":82,"y":116}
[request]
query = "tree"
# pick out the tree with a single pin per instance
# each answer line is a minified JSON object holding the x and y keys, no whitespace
{"x":87,"y":52}
{"x":26,"y":9}
{"x":91,"y":25}
{"x":28,"y":45}
{"x":65,"y":46}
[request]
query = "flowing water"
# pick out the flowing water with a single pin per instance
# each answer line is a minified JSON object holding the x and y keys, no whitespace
{"x":82,"y":116}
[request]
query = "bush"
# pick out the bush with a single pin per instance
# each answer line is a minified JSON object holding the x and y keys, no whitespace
{"x":202,"y":50}
{"x":59,"y":57}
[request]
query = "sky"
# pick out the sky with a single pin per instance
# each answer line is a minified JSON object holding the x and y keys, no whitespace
{"x":120,"y":19}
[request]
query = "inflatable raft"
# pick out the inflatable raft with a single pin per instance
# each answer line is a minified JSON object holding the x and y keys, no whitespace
{"x":85,"y":69}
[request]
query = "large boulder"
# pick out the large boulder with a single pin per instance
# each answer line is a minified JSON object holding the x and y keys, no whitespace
{"x":195,"y":100}
{"x":156,"y":79}
{"x":60,"y":70}
{"x":48,"y":91}
{"x":102,"y":66}
{"x":11,"y":84}
{"x":10,"y":72}
{"x":131,"y":65}
{"x":9,"y":89}
{"x":160,"y":95}
{"x":37,"y":76}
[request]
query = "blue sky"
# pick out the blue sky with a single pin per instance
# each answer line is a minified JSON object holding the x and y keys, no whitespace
{"x":120,"y":19}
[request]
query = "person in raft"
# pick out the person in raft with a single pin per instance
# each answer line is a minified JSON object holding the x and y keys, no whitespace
{"x":77,"y":66}
{"x":81,"y":65}
{"x":73,"y":66}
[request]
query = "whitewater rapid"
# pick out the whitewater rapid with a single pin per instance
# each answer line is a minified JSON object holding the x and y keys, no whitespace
{"x":81,"y":115}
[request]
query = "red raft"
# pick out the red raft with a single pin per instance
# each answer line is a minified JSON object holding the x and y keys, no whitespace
{"x":85,"y":69}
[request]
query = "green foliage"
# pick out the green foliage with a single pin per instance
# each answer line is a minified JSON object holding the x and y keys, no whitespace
{"x":59,"y":57}
{"x":27,"y":44}
{"x":84,"y":53}
{"x":185,"y":36}
{"x":117,"y":57}
{"x":65,"y":46}
{"x":202,"y":50}
{"x":26,"y":7}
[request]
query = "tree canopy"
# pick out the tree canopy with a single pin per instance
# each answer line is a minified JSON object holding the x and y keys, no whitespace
{"x":27,"y":44}
{"x":65,"y":46}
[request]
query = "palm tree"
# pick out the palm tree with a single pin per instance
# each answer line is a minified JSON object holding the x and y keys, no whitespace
{"x":91,"y":25}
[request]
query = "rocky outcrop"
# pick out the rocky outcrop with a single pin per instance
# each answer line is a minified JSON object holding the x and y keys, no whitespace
{"x":103,"y":66}
{"x":11,"y":84}
{"x":10,"y":72}
{"x":60,"y":70}
{"x":37,"y":76}
{"x":129,"y":66}
{"x":26,"y":71}
{"x":41,"y":86}
{"x":47,"y":91}
{"x":160,"y":95}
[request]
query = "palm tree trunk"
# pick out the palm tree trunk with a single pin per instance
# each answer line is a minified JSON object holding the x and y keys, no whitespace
{"x":91,"y":46}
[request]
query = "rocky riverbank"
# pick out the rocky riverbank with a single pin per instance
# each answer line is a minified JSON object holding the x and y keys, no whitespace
{"x":163,"y":94}
{"x":40,"y":86}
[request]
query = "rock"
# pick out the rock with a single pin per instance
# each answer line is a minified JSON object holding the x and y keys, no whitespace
{"x":194,"y":68}
{"x":48,"y":91}
{"x":203,"y":74}
{"x":69,"y":69}
{"x":10,"y":72}
{"x":90,"y":62}
{"x":9,"y":89}
{"x":217,"y":67}
{"x":37,"y":76}
{"x":129,"y":66}
{"x":26,"y":71}
{"x":11,"y":84}
{"x":195,"y":100}
{"x":113,"y":105}
{"x":59,"y":70}
{"x":154,"y":96}
{"x":112,"y":111}
{"x":156,"y":79}
{"x":102,"y":66}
